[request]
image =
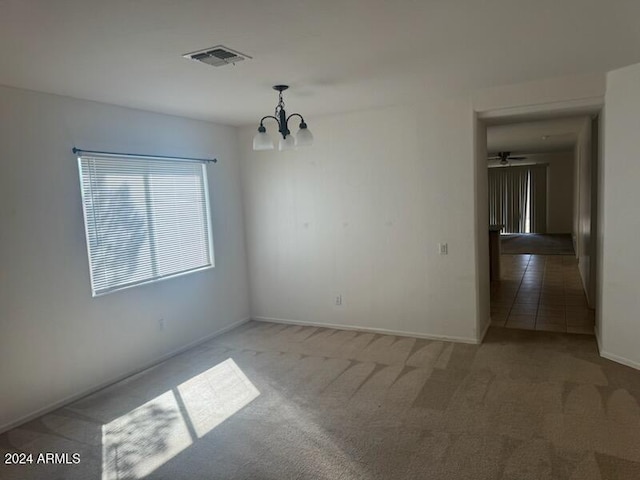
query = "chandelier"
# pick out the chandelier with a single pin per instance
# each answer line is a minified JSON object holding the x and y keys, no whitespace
{"x":303,"y":138}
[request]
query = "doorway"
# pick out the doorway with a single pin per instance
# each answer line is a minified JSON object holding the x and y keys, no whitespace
{"x":546,"y":272}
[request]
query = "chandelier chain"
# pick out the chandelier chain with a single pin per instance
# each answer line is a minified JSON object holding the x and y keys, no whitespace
{"x":280,"y":105}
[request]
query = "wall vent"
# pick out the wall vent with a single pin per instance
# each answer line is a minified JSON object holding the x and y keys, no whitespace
{"x":217,"y":56}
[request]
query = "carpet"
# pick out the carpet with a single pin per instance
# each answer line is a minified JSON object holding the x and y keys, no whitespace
{"x":537,"y":243}
{"x":269,"y":401}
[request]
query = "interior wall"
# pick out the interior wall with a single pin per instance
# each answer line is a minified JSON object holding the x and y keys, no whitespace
{"x":560,"y":95}
{"x":360,"y":215}
{"x":619,"y":321}
{"x":599,"y":233}
{"x":56,"y":341}
{"x":483,"y":281}
{"x":584,"y":211}
{"x":595,"y":213}
{"x":559,"y":191}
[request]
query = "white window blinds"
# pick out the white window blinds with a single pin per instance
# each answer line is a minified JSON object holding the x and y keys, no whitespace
{"x":145,"y":219}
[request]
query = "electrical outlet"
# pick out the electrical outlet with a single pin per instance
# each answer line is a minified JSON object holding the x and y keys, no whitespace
{"x":443,"y":248}
{"x":339,"y":300}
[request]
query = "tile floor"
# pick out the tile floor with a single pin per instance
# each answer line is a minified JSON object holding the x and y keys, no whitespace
{"x":541,"y":292}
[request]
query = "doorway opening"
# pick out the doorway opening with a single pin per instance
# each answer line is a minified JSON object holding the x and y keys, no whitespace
{"x":542,"y":198}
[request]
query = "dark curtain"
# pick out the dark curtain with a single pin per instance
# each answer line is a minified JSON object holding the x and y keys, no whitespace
{"x":511,"y":191}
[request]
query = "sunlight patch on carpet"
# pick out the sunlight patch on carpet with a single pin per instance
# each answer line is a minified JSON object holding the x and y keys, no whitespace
{"x":137,"y":443}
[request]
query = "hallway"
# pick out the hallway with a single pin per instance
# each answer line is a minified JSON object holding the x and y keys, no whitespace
{"x":541,"y":292}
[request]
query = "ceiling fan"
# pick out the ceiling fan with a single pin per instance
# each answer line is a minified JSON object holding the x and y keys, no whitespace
{"x":505,"y":158}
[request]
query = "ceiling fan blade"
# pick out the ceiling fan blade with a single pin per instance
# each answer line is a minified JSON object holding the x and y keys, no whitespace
{"x":493,"y":158}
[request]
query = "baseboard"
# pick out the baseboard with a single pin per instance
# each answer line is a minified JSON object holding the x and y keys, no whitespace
{"x":72,"y":398}
{"x":622,"y":360}
{"x":384,"y":331}
{"x":612,"y":357}
{"x":484,"y":332}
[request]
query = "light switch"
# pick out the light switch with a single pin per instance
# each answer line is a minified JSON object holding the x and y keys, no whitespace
{"x":443,"y":249}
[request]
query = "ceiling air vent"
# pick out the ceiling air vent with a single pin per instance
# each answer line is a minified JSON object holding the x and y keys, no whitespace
{"x":217,"y":56}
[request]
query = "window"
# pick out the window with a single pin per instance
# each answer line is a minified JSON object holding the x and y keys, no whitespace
{"x":146,"y":219}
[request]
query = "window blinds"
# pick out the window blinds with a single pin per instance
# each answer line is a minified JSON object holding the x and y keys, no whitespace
{"x":145,"y":219}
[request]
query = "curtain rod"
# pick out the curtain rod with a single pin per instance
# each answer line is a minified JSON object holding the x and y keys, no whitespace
{"x":149,"y":157}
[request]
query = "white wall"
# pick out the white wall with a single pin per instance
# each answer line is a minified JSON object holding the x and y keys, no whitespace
{"x":360,"y":214}
{"x":594,"y":224}
{"x":584,"y":209}
{"x":552,"y":95}
{"x":56,"y":341}
{"x":559,"y":191}
{"x":599,"y":231}
{"x":483,"y":280}
{"x":620,"y":169}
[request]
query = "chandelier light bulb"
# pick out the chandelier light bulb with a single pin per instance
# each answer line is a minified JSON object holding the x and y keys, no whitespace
{"x":304,"y":137}
{"x":262,"y":140}
{"x":287,"y":143}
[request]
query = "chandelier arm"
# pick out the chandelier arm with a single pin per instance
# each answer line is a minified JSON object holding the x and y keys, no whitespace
{"x":269,"y":116}
{"x":295,"y":115}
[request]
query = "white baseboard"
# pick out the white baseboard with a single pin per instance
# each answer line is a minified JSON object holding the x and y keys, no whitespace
{"x":612,"y":357}
{"x":622,"y":360}
{"x":72,"y":398}
{"x":384,"y":331}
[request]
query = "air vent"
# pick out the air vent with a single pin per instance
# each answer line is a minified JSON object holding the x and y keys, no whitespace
{"x":217,"y":56}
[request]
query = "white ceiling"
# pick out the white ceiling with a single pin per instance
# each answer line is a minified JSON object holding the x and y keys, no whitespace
{"x":338,"y":55}
{"x":553,"y":135}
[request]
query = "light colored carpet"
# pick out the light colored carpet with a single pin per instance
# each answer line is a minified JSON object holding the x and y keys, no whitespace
{"x":269,"y":401}
{"x":537,"y":243}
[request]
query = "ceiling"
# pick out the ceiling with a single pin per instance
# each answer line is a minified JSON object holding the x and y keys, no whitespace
{"x":554,"y":135}
{"x":338,"y":55}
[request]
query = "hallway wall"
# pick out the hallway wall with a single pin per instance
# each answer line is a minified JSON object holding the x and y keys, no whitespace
{"x":584,"y":208}
{"x":619,"y":321}
{"x":559,"y":191}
